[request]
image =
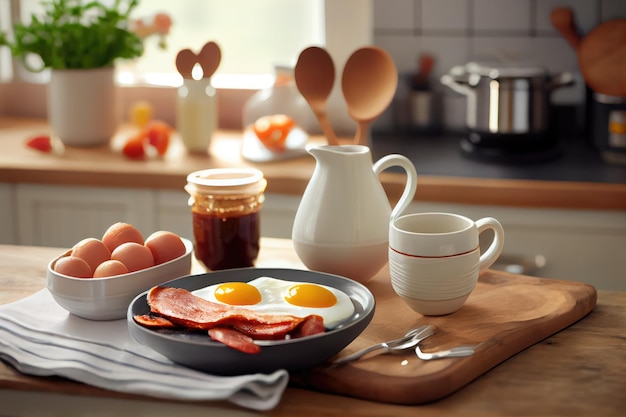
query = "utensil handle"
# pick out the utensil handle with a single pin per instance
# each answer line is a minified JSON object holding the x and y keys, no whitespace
{"x":562,"y":19}
{"x":357,"y":355}
{"x":331,"y":138}
{"x":360,"y":137}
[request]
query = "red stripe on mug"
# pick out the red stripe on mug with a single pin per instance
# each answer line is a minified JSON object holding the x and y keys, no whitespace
{"x":428,"y":257}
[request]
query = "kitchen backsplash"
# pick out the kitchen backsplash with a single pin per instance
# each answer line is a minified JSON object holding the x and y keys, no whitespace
{"x":455,"y":32}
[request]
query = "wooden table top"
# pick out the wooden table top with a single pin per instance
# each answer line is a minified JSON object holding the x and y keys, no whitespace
{"x":106,"y":167}
{"x":580,"y":371}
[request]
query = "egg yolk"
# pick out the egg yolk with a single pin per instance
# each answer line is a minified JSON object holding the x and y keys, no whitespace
{"x":237,"y":293}
{"x":310,"y":295}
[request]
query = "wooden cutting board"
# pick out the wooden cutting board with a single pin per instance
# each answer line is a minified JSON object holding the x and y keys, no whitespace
{"x":504,"y":315}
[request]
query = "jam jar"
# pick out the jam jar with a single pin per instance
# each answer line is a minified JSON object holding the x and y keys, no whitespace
{"x":225,"y":206}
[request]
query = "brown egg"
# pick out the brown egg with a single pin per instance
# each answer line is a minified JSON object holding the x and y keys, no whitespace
{"x":133,"y":255}
{"x":165,"y":246}
{"x":110,"y":268}
{"x":92,"y":251}
{"x":119,"y":233}
{"x":73,"y":267}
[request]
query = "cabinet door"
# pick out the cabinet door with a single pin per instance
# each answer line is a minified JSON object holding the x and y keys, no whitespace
{"x":8,"y":233}
{"x":173,"y":213}
{"x":278,"y":214}
{"x":60,"y":216}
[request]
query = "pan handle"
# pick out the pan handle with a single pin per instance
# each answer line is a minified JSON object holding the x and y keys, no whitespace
{"x":564,"y":79}
{"x":454,"y":84}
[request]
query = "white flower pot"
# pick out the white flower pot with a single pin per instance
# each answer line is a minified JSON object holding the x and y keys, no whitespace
{"x":82,"y":106}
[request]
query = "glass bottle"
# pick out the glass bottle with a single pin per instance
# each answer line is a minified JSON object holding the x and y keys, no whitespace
{"x":196,"y":113}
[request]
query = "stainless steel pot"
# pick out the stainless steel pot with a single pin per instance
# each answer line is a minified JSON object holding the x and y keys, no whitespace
{"x":505,"y":101}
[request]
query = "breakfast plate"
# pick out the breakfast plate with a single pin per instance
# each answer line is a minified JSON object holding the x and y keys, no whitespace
{"x":198,"y":351}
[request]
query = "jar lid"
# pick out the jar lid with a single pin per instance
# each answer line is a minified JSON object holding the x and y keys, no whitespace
{"x":226,"y":181}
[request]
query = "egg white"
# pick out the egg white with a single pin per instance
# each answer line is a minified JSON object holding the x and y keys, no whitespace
{"x":273,"y":291}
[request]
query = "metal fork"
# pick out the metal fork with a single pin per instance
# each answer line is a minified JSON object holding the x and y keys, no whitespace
{"x":459,"y":351}
{"x":410,"y":339}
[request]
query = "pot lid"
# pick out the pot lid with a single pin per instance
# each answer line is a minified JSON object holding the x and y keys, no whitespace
{"x":501,"y":70}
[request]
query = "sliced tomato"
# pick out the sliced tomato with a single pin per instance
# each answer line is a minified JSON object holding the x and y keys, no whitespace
{"x":273,"y":130}
{"x":41,"y":143}
{"x":158,"y":134}
{"x":134,"y":147}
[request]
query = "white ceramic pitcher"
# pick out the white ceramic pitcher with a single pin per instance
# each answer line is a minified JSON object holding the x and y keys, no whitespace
{"x":342,"y":224}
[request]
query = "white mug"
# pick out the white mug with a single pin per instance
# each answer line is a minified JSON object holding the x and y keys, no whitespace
{"x":435,"y":259}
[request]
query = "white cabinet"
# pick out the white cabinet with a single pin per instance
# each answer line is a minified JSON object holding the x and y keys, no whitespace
{"x":8,"y":232}
{"x":578,"y":245}
{"x":173,"y":213}
{"x":61,"y":216}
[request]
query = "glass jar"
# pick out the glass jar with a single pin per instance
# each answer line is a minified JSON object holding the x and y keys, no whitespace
{"x":196,"y":114}
{"x":225,"y":205}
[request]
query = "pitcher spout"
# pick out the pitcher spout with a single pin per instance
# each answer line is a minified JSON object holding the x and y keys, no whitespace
{"x":320,"y":152}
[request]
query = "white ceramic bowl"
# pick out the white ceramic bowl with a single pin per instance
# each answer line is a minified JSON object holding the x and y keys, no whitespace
{"x":108,"y":298}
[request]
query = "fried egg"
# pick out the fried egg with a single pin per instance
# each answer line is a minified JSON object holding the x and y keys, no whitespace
{"x":276,"y":296}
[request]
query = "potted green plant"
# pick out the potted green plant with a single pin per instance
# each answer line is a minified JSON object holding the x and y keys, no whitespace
{"x":79,"y":42}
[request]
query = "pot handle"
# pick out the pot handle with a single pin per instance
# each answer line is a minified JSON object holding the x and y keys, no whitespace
{"x":561,"y":80}
{"x":451,"y":82}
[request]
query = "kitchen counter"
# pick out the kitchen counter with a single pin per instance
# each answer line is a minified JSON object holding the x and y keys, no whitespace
{"x":578,"y":371}
{"x":576,"y":180}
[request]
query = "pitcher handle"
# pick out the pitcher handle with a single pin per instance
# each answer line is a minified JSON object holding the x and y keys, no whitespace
{"x":411,"y":181}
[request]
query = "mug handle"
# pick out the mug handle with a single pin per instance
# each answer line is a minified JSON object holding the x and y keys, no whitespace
{"x":411,"y":180}
{"x":492,"y":253}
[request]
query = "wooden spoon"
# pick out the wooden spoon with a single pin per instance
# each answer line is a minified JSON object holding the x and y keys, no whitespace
{"x":185,"y":61}
{"x":601,"y":54}
{"x":315,"y":76}
{"x":602,"y":58}
{"x":209,"y":59}
{"x":368,"y":83}
{"x":562,"y":19}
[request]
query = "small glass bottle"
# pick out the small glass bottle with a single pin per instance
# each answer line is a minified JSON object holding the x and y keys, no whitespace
{"x":196,"y":113}
{"x":225,"y":205}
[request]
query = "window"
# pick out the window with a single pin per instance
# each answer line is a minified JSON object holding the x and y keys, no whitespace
{"x":253,"y":36}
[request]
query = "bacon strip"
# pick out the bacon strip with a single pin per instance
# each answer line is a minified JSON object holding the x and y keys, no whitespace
{"x":153,"y":322}
{"x":183,"y":308}
{"x":312,"y":324}
{"x":234,"y":326}
{"x":234,"y":339}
